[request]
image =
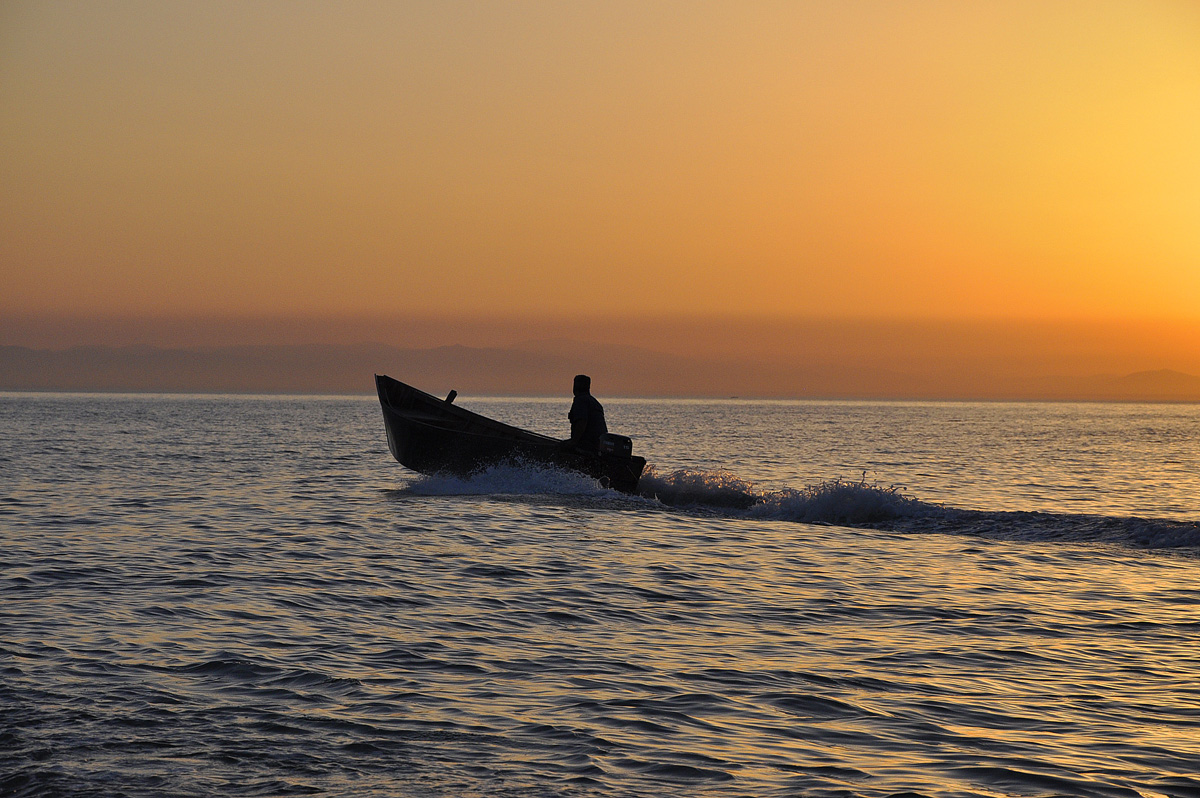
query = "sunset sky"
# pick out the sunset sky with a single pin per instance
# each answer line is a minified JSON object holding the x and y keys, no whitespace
{"x":789,"y":160}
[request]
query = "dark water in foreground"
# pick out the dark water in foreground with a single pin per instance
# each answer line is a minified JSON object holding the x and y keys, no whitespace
{"x":245,"y":596}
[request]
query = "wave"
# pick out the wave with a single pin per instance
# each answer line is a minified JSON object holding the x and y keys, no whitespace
{"x":691,"y":487}
{"x":835,"y":502}
{"x":861,"y":504}
{"x":509,"y":479}
{"x":831,"y":502}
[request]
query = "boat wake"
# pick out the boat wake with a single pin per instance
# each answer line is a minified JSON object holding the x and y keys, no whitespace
{"x":518,"y":479}
{"x":693,"y":488}
{"x":862,"y":504}
{"x":831,"y":502}
{"x":834,"y":502}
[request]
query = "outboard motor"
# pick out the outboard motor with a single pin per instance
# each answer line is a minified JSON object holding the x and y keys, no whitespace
{"x":617,"y":445}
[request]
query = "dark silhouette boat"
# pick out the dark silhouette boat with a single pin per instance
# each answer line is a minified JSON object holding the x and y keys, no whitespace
{"x":435,"y":436}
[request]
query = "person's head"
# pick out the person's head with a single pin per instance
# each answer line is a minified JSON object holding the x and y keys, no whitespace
{"x":583,"y":384}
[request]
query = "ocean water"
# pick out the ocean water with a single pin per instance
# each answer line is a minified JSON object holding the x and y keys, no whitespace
{"x":216,"y":595}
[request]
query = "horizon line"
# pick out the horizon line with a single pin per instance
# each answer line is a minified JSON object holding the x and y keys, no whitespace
{"x":565,"y":397}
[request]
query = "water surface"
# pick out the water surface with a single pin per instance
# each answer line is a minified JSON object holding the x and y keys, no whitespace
{"x":246,"y":596}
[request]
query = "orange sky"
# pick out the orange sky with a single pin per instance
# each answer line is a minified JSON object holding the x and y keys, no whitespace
{"x":784,"y":160}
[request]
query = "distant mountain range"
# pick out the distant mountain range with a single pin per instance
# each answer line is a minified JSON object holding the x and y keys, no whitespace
{"x":1158,"y":385}
{"x":533,"y":368}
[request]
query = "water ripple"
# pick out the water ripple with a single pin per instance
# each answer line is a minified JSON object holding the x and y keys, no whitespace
{"x":212,"y":596}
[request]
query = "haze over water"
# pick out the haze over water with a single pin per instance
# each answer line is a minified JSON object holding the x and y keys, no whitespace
{"x":214,"y":595}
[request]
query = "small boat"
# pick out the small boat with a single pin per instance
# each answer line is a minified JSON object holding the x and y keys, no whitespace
{"x":435,"y":436}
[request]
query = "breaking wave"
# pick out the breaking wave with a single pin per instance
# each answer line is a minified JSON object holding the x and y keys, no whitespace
{"x":509,"y":479}
{"x":862,"y":504}
{"x":836,"y":502}
{"x":840,"y":502}
{"x":690,"y":488}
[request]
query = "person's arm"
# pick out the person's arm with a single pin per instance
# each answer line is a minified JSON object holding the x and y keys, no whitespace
{"x":578,"y":419}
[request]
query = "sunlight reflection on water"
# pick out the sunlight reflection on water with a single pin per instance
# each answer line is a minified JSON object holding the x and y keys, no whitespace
{"x":245,"y":596}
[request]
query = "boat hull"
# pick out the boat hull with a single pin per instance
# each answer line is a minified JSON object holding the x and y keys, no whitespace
{"x":432,"y":436}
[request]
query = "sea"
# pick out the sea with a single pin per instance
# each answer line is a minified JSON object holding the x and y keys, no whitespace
{"x":246,"y":596}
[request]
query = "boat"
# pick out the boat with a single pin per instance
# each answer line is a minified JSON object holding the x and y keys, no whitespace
{"x":436,"y":436}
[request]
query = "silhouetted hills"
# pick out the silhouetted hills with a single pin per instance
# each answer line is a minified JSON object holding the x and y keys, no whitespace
{"x":1159,"y":385}
{"x":540,"y":367}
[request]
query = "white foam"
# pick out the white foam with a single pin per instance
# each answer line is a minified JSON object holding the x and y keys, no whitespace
{"x":691,"y":487}
{"x":839,"y":502}
{"x":511,"y":480}
{"x":835,"y":501}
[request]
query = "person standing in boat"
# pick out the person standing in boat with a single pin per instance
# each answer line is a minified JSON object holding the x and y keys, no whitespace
{"x":586,"y":416}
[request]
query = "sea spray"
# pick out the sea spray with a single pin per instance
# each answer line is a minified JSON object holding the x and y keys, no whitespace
{"x":835,"y":501}
{"x":512,"y":479}
{"x":839,"y":501}
{"x":688,"y":487}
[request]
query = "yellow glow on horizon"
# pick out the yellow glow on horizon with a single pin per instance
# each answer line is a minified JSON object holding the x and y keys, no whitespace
{"x":772,"y":159}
